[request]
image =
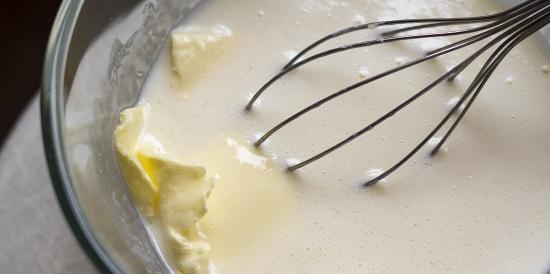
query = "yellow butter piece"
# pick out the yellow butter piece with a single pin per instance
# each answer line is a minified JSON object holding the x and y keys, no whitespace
{"x":128,"y":134}
{"x":195,"y":49}
{"x":165,"y":188}
{"x":183,"y":191}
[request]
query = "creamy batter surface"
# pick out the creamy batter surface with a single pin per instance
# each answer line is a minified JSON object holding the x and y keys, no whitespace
{"x":481,"y":206}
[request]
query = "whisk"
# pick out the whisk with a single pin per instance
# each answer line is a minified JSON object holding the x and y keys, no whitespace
{"x":501,"y":32}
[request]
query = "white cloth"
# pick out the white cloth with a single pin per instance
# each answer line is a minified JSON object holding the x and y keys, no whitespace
{"x":34,"y":235}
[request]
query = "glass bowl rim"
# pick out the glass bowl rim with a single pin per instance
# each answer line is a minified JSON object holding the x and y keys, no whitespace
{"x":52,"y":116}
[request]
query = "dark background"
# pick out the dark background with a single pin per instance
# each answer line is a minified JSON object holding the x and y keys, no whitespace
{"x":25,"y":29}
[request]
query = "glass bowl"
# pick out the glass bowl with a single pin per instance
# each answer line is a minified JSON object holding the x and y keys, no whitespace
{"x":98,"y":57}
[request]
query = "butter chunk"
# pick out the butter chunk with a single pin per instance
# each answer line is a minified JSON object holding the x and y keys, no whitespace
{"x":128,"y":135}
{"x":165,"y":188}
{"x":195,"y":49}
{"x":183,"y":191}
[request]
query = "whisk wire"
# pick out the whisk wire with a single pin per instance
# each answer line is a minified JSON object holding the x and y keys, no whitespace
{"x":510,"y":27}
{"x":401,"y":106}
{"x":497,"y":26}
{"x":463,"y":20}
{"x":371,"y":79}
{"x":478,"y":85}
{"x":291,"y":66}
{"x":461,"y":115}
{"x":469,"y":20}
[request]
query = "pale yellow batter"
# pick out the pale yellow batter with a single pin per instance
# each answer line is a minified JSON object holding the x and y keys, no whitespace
{"x":481,"y":206}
